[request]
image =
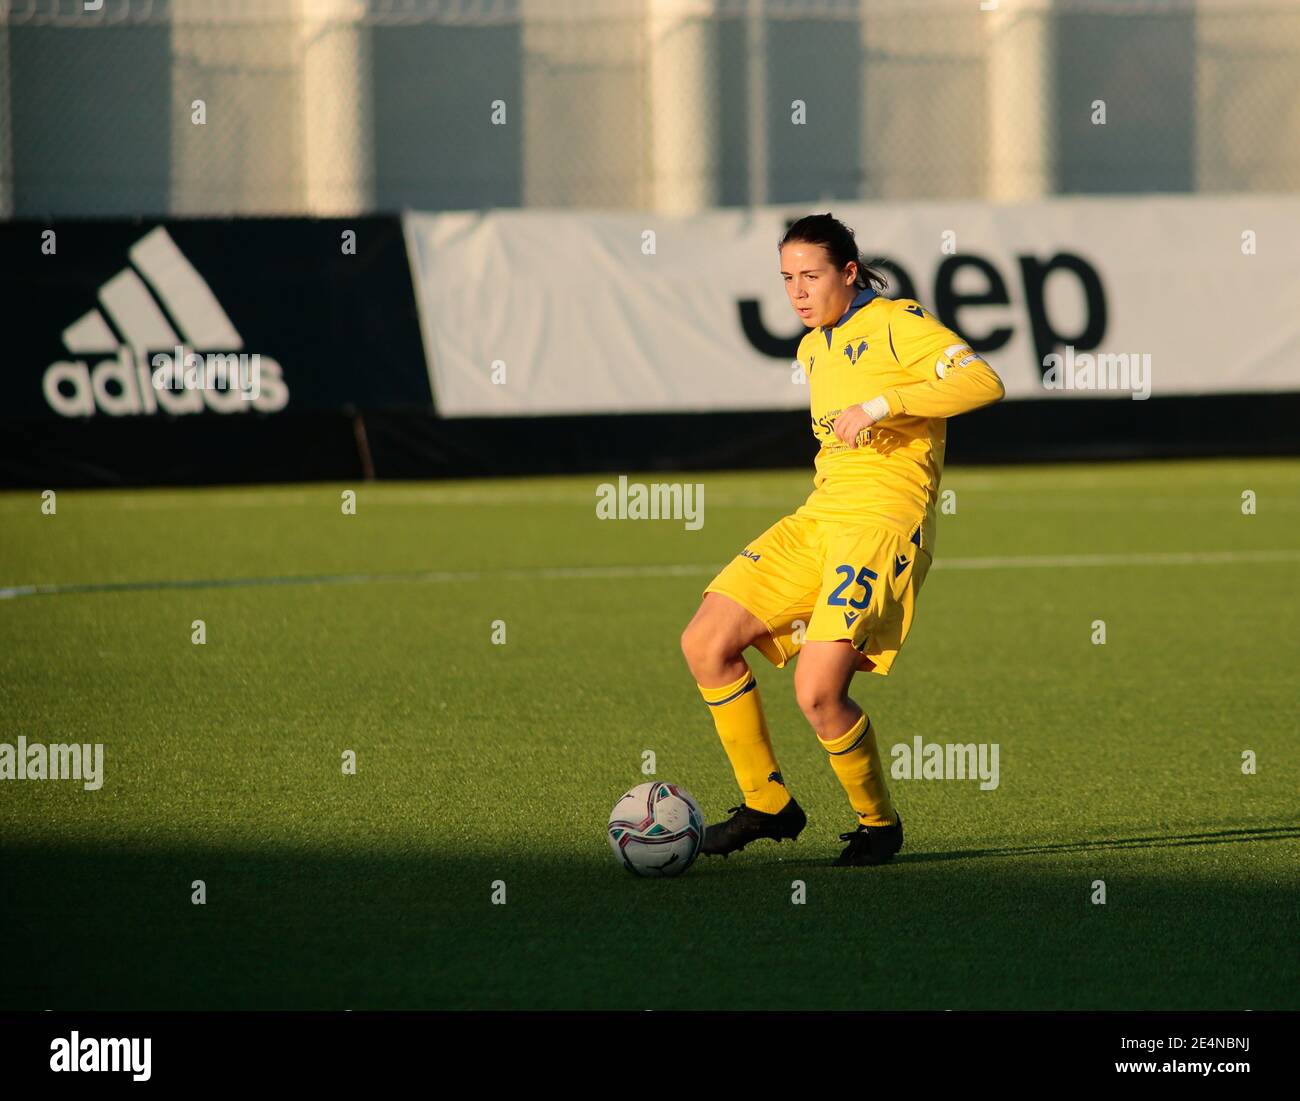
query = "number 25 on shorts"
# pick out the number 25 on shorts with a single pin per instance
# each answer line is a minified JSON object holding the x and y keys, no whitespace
{"x":864,"y":578}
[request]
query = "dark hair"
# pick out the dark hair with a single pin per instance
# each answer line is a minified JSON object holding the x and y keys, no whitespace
{"x":838,"y":241}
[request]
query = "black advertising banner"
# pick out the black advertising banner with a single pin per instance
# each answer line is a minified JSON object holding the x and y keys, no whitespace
{"x":319,"y":313}
{"x":131,"y":335}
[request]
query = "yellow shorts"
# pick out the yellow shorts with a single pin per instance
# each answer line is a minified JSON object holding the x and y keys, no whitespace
{"x":824,"y":581}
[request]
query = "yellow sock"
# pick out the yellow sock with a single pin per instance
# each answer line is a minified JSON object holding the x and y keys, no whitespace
{"x":738,"y":715}
{"x":856,"y":762}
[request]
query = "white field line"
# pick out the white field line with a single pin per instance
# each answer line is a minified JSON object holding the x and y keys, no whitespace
{"x":572,"y":573}
{"x":1008,"y":500}
{"x":1155,"y":558}
{"x":734,"y":495}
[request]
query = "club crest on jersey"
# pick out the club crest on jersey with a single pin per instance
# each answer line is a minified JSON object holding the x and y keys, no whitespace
{"x":855,"y":353}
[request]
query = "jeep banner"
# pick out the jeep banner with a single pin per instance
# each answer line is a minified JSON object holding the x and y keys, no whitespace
{"x":135,"y":321}
{"x":529,"y":313}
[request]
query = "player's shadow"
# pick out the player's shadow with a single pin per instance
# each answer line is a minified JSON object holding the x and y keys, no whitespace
{"x":1245,"y":835}
{"x":497,"y":922}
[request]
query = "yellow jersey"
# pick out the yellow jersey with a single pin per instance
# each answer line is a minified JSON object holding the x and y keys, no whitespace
{"x":895,"y":349}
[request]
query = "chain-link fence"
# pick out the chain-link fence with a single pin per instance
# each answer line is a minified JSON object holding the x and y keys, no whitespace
{"x":341,"y":106}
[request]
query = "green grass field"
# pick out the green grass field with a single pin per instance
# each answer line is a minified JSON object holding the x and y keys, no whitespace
{"x":479,"y":763}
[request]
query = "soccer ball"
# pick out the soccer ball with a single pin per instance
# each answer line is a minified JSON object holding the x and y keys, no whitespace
{"x":656,"y":829}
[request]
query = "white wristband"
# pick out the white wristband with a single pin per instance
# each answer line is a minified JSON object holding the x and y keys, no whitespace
{"x":877,"y":408}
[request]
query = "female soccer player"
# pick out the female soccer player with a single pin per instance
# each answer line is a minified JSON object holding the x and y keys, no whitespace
{"x":837,"y":580}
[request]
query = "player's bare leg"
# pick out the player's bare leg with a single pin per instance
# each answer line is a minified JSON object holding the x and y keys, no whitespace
{"x":713,"y":644}
{"x":821,"y":687}
{"x":717,"y":637}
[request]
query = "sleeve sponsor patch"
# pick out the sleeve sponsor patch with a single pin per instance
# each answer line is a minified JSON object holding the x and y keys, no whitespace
{"x":954,"y":357}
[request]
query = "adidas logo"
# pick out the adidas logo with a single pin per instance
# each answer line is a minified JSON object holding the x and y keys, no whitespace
{"x":159,"y":301}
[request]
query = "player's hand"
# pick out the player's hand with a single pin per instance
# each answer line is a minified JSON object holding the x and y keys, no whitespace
{"x":851,"y":422}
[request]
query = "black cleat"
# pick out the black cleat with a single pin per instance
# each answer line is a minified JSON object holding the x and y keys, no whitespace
{"x":747,"y":824}
{"x":871,"y":845}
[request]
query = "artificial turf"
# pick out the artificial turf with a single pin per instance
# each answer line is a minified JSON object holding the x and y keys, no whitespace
{"x":481,"y":764}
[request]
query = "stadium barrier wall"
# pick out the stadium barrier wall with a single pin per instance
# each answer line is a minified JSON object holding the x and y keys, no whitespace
{"x":515,"y":342}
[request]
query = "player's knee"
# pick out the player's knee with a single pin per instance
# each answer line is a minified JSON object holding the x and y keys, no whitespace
{"x":691,"y":641}
{"x":708,"y":646}
{"x":700,"y":645}
{"x":816,"y":698}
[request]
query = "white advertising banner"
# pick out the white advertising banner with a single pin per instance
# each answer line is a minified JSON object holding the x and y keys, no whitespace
{"x":552,"y":312}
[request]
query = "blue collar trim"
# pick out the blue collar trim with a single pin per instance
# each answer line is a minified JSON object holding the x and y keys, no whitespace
{"x":865,"y":295}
